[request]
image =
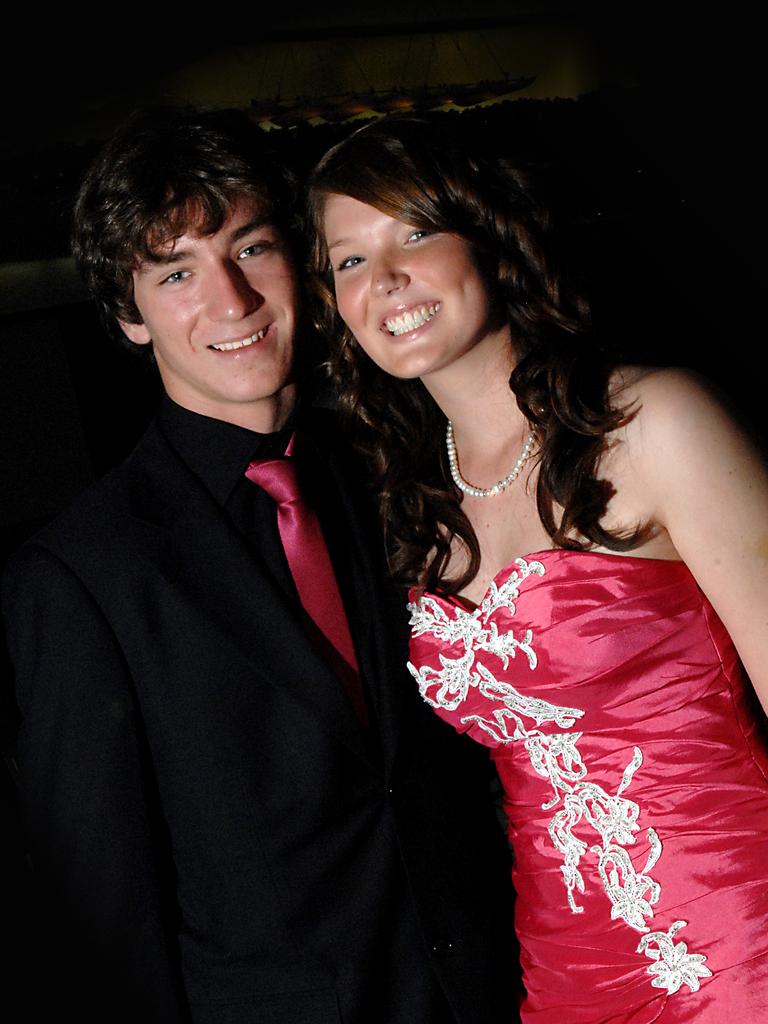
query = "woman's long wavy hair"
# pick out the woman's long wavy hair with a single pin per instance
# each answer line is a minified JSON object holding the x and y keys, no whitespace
{"x":411,"y":170}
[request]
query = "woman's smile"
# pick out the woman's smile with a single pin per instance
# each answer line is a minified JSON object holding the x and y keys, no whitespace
{"x":412,"y":319}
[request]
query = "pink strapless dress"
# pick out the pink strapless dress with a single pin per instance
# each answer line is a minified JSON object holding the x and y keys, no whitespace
{"x":633,"y":759}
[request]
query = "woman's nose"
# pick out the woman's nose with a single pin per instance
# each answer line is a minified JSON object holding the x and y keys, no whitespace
{"x":388,"y":276}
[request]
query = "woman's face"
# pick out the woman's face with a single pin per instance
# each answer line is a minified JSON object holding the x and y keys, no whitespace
{"x":415,"y":300}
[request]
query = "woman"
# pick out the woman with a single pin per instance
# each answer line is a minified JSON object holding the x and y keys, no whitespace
{"x":587,"y":550}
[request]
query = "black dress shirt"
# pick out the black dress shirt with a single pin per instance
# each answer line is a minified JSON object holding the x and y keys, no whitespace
{"x":218,"y":453}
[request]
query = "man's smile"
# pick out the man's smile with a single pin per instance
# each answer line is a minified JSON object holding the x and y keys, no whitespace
{"x":230,"y":346}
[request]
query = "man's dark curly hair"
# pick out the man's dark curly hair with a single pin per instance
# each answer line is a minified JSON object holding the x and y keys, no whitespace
{"x":166,"y":171}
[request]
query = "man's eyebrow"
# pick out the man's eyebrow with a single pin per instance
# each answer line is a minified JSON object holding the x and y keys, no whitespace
{"x":162,"y":259}
{"x":252,"y":225}
{"x":158,"y":259}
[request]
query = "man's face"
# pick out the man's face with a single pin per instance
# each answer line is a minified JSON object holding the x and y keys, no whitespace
{"x":220,"y":311}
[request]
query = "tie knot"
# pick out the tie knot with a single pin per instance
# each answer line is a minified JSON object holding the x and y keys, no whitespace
{"x":277,"y":477}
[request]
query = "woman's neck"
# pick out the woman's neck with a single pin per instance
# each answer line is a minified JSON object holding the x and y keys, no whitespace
{"x":475,"y":396}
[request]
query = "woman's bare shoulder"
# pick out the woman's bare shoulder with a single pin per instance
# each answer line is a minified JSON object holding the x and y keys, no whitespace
{"x":674,"y":408}
{"x":631,"y":386}
{"x":676,"y":433}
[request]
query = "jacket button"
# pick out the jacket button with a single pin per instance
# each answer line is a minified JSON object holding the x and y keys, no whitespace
{"x":442,"y":948}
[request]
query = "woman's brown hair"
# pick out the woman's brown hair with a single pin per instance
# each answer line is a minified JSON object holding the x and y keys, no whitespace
{"x":412,"y":170}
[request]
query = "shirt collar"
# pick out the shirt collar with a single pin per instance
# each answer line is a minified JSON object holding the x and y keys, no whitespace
{"x":218,"y":452}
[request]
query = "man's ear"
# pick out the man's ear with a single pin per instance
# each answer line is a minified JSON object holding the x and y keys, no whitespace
{"x":137,"y":333}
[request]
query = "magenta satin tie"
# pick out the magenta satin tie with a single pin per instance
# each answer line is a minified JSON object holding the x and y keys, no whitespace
{"x":311,"y":567}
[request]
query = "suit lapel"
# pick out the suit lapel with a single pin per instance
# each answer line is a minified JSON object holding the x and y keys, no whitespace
{"x":381,"y":648}
{"x":202,"y":554}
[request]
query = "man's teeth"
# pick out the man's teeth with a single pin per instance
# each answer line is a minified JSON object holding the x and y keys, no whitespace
{"x":230,"y":346}
{"x":411,"y":320}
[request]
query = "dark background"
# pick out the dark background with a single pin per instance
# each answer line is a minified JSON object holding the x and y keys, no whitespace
{"x":655,"y":174}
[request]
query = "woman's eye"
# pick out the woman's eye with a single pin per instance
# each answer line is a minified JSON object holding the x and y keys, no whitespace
{"x":416,"y":236}
{"x":350,"y":261}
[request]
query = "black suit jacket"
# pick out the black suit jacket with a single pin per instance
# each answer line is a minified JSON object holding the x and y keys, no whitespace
{"x":220,"y":837}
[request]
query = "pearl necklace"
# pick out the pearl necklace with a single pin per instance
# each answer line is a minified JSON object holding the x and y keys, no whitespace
{"x":498,"y":487}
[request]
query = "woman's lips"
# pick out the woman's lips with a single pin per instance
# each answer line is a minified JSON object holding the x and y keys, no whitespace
{"x":412,"y":318}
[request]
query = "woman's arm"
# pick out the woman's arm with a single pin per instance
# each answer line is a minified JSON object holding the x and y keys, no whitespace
{"x":704,"y":482}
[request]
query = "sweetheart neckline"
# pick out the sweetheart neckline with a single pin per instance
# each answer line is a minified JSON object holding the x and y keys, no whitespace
{"x":537,"y":556}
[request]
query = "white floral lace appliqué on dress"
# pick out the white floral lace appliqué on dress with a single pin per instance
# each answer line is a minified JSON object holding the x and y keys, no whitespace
{"x":554,"y":756}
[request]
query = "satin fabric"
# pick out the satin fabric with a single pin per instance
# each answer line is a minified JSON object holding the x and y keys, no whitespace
{"x":311,"y":568}
{"x":634,"y":646}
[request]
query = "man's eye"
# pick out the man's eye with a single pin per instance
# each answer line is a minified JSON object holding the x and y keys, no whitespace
{"x":175,"y":277}
{"x":350,"y":261}
{"x":254,"y":249}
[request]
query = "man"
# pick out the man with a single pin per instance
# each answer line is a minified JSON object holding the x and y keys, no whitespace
{"x":243,"y":811}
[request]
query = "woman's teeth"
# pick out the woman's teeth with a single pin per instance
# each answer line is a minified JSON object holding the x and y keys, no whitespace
{"x":411,"y":320}
{"x":230,"y":346}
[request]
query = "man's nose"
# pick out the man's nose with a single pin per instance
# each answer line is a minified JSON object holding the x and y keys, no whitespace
{"x":231,"y":295}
